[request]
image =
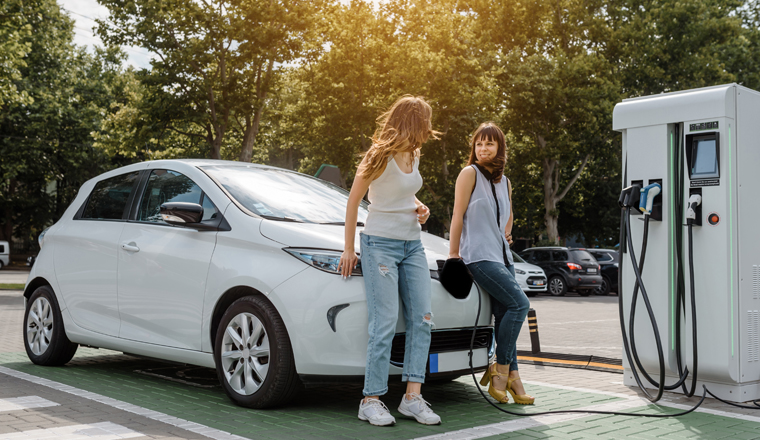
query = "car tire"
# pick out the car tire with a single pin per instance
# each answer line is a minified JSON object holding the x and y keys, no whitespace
{"x":1,"y":265}
{"x":45,"y":338}
{"x":604,"y":288}
{"x":557,"y":286}
{"x":260,"y":373}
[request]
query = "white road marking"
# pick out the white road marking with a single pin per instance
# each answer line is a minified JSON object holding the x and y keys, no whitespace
{"x":94,"y":431}
{"x":27,"y":402}
{"x":134,"y":409}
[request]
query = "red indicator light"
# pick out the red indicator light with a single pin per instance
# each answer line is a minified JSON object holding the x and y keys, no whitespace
{"x":574,"y":266}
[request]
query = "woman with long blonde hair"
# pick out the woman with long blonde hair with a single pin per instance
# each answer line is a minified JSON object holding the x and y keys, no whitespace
{"x":393,"y":259}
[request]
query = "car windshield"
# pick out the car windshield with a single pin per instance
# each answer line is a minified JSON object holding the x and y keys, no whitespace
{"x":284,"y":195}
{"x":517,"y":258}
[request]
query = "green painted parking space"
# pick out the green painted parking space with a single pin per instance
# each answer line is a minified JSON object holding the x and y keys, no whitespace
{"x":329,"y":412}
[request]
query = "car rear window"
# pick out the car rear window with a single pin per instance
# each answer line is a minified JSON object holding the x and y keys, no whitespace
{"x":579,"y":255}
{"x":109,"y":197}
{"x":280,"y":194}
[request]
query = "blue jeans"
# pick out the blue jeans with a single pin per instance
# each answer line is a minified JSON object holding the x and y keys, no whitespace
{"x":394,"y":269}
{"x":509,"y":308}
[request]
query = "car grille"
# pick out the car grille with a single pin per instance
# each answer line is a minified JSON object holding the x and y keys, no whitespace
{"x":445,"y":340}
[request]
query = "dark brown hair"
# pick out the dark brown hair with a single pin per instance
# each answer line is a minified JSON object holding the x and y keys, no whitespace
{"x":490,"y":131}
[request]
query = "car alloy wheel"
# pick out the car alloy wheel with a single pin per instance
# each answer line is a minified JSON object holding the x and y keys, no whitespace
{"x":245,"y":354}
{"x":39,"y":326}
{"x":557,"y":286}
{"x":45,"y":339}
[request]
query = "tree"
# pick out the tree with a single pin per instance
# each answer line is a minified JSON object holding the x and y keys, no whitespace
{"x":45,"y":141}
{"x":15,"y":30}
{"x":216,"y":61}
{"x":558,"y":88}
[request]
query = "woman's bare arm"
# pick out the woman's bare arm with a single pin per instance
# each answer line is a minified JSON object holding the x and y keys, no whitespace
{"x":462,"y":193}
{"x":508,"y":228}
{"x":349,"y":259}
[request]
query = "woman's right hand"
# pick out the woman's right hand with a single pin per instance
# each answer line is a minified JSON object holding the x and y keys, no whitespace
{"x":347,"y":262}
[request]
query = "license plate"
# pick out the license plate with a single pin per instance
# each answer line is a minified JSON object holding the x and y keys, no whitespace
{"x":538,"y":283}
{"x":457,"y":360}
{"x":591,"y":270}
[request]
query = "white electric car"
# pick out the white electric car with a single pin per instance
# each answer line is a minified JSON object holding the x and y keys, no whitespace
{"x":530,"y":277}
{"x":225,"y":265}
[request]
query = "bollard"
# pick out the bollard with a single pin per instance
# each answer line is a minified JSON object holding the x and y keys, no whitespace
{"x":535,"y":346}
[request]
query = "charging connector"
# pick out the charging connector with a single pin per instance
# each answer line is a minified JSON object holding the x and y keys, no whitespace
{"x":692,"y":213}
{"x":648,"y":194}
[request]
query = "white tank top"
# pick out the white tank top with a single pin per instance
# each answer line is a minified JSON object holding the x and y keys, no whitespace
{"x":482,"y":236}
{"x":392,"y":211}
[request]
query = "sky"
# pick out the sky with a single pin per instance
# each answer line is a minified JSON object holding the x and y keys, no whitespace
{"x":85,"y":12}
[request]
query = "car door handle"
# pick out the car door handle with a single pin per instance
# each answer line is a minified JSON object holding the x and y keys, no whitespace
{"x":130,"y":247}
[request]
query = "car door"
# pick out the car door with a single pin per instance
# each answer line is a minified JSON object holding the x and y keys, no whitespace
{"x":542,"y":258}
{"x":163,"y":268}
{"x":85,"y":255}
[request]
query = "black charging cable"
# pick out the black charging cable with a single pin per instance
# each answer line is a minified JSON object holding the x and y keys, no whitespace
{"x":566,"y":411}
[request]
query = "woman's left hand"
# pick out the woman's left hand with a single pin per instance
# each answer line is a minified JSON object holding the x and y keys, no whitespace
{"x":423,"y":213}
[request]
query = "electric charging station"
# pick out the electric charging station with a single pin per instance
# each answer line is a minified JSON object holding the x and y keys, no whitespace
{"x":703,"y":142}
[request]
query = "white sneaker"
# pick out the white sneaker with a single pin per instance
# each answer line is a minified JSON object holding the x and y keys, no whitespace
{"x":375,"y":412}
{"x":418,"y":408}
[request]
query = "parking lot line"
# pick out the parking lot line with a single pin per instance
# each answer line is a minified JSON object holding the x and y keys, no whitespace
{"x":26,"y":402}
{"x":95,"y":431}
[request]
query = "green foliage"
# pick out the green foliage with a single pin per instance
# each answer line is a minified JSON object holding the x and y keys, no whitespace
{"x":45,"y":141}
{"x":15,"y":30}
{"x":215,"y":65}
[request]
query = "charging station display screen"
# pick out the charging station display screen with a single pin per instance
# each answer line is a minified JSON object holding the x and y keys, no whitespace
{"x":704,"y":159}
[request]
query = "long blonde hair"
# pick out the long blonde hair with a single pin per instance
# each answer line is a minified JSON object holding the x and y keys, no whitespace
{"x":403,"y":128}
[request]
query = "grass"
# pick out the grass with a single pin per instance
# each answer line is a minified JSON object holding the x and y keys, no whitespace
{"x":12,"y":286}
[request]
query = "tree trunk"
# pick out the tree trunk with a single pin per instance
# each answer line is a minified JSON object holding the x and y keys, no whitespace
{"x":552,"y":194}
{"x":249,"y":137}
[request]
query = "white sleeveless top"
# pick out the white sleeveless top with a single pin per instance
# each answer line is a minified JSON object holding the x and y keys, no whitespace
{"x":482,"y":236}
{"x":392,"y":211}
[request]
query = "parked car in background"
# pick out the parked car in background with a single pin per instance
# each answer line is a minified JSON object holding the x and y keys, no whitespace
{"x":608,"y":259}
{"x":530,"y":277}
{"x":5,"y":251}
{"x":226,"y":265}
{"x":567,"y":269}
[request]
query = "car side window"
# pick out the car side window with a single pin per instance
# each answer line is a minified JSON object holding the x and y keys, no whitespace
{"x":209,"y":210}
{"x":541,"y":256}
{"x":559,"y":255}
{"x":166,"y":186}
{"x":2,"y":248}
{"x":602,"y":256}
{"x":108,"y":199}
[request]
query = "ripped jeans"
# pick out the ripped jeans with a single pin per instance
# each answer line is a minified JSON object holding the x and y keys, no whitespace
{"x":394,"y":269}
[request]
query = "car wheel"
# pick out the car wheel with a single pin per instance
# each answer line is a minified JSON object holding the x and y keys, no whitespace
{"x":253,"y":355}
{"x":45,"y":339}
{"x":1,"y":265}
{"x":604,"y":288}
{"x":557,"y":286}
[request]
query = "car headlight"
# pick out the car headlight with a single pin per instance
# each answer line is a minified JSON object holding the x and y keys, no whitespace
{"x":520,"y":271}
{"x":41,"y":238}
{"x":322,"y":259}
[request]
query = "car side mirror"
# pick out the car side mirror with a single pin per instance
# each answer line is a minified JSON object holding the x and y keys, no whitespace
{"x":181,"y":213}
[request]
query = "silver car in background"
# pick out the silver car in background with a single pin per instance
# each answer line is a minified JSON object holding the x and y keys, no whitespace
{"x":530,"y":277}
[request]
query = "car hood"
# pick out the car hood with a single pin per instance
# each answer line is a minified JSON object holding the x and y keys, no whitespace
{"x":311,"y":235}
